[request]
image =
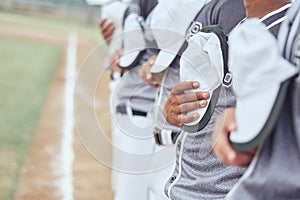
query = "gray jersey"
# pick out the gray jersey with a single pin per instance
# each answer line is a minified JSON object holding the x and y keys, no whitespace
{"x":276,"y":172}
{"x":199,"y":174}
{"x":134,"y":91}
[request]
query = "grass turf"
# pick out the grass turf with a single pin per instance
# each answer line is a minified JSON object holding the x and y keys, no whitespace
{"x":26,"y":70}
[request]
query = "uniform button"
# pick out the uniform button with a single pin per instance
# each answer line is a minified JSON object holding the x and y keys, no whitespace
{"x":179,"y":145}
{"x":172,"y":179}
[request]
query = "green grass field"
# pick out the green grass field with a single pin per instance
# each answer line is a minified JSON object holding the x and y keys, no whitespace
{"x":26,"y":71}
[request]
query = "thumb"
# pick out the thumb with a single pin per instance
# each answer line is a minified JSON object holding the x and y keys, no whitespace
{"x":149,"y":76}
{"x":232,"y":126}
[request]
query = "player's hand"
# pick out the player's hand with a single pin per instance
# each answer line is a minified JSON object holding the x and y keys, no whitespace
{"x":114,"y":62}
{"x":152,"y":79}
{"x":179,"y":103}
{"x":225,"y":124}
{"x":107,"y":29}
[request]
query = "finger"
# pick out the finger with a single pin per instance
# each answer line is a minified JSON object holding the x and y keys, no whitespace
{"x":120,"y":52}
{"x":109,"y":34}
{"x":168,"y":106}
{"x":183,"y":86}
{"x":107,"y":27}
{"x":158,"y":77}
{"x":143,"y":73}
{"x":152,"y":60}
{"x":144,"y":77}
{"x":114,"y":59}
{"x":227,"y":154}
{"x":192,"y":96}
{"x":222,"y":148}
{"x":220,"y":138}
{"x":179,"y":119}
{"x":253,"y":151}
{"x":102,"y":23}
{"x":239,"y":159}
{"x":188,"y":118}
{"x":173,"y":121}
{"x":191,"y":106}
{"x":154,"y":85}
{"x":108,"y":30}
{"x":148,"y":76}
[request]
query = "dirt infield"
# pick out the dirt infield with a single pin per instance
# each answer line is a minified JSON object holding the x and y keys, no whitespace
{"x":39,"y":178}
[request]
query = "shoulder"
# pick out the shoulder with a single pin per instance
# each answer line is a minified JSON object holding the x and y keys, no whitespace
{"x":228,"y":13}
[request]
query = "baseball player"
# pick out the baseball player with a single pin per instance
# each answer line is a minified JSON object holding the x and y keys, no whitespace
{"x":199,"y":174}
{"x":155,"y":181}
{"x":166,"y":134}
{"x":134,"y":100}
{"x":111,"y":28}
{"x":191,"y":188}
{"x":275,"y":165}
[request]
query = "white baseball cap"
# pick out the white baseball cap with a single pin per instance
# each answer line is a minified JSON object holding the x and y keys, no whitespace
{"x":134,"y":42}
{"x":114,"y":12}
{"x":261,"y":77}
{"x":170,"y":21}
{"x":202,"y":61}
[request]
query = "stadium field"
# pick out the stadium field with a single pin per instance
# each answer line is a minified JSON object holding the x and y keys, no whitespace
{"x":25,"y":74}
{"x":33,"y":60}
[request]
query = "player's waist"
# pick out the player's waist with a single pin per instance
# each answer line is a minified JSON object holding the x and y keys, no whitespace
{"x":165,"y":137}
{"x":122,"y":109}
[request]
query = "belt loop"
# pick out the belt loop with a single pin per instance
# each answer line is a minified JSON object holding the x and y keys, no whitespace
{"x":128,"y":110}
{"x":165,"y":137}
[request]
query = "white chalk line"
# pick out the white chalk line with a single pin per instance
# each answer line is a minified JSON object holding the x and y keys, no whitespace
{"x":67,"y":152}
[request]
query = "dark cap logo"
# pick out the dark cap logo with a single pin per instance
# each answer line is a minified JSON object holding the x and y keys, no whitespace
{"x":193,"y":30}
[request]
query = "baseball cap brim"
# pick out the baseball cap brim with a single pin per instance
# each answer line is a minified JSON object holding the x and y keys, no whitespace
{"x":116,"y":18}
{"x":131,"y":59}
{"x":262,"y":110}
{"x":261,"y":78}
{"x":133,"y":42}
{"x":163,"y":61}
{"x":205,"y":67}
{"x":166,"y":56}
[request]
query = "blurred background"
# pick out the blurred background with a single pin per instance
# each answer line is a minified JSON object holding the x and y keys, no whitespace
{"x":42,"y":44}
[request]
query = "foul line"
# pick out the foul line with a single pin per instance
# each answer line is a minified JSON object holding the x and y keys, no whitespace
{"x":67,"y":152}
